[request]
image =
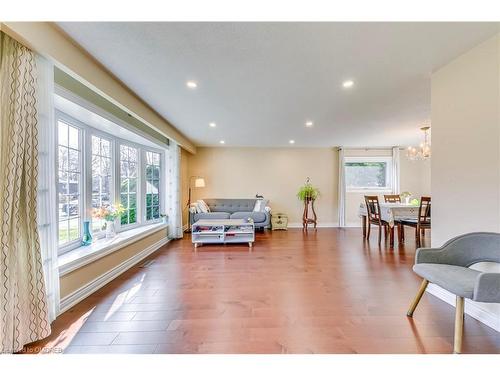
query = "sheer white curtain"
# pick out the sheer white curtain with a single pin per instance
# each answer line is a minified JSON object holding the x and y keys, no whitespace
{"x":174,"y":207}
{"x":47,"y":185}
{"x":395,"y":170}
{"x":342,"y":195}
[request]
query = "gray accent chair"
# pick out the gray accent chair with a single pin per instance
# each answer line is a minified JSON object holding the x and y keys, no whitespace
{"x":233,"y":209}
{"x":448,"y":267}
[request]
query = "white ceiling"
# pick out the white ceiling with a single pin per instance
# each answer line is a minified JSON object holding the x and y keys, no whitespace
{"x":260,"y":82}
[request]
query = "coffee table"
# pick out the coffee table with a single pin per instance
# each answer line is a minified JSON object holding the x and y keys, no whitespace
{"x":223,"y":231}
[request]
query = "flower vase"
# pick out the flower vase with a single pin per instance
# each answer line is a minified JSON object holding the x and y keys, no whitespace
{"x":87,"y":236}
{"x":407,"y":200}
{"x":110,"y":229}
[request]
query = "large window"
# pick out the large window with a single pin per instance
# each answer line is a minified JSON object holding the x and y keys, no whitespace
{"x":101,"y":177}
{"x":152,"y":185}
{"x":362,"y":173}
{"x":128,"y":183}
{"x":69,"y":183}
{"x":97,"y":169}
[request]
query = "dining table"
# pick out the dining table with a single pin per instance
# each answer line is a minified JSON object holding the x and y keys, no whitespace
{"x":391,"y":213}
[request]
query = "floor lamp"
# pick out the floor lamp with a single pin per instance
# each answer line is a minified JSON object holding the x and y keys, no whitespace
{"x":199,"y":182}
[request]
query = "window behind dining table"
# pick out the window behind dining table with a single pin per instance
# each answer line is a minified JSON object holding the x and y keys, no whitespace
{"x":368,"y":173}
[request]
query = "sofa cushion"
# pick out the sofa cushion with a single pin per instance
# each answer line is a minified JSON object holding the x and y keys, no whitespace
{"x":457,"y":280}
{"x":257,"y":217}
{"x":211,"y":215}
{"x":230,"y":205}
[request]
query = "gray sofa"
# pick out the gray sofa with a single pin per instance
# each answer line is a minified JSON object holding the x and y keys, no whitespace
{"x":233,"y":209}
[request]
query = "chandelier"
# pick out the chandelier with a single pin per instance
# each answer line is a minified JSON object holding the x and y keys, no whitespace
{"x":422,"y":152}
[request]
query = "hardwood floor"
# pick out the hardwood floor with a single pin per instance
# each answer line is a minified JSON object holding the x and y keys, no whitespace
{"x":318,"y":292}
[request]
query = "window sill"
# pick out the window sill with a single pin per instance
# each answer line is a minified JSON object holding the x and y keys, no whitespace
{"x":83,"y":255}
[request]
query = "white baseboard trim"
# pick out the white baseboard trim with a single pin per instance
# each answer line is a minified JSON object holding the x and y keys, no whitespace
{"x":320,"y":225}
{"x":473,"y":309}
{"x":352,"y":225}
{"x":86,"y":290}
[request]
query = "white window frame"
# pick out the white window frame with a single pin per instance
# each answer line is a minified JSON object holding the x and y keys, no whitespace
{"x":86,"y":132}
{"x":371,"y":159}
{"x":162,"y":187}
{"x":138,"y":187}
{"x":60,"y":116}
{"x":88,"y":171}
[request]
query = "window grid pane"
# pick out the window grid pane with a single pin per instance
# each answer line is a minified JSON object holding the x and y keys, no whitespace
{"x":366,"y":175}
{"x":69,"y":183}
{"x":128,"y":184}
{"x":101,"y":178}
{"x":152,"y":185}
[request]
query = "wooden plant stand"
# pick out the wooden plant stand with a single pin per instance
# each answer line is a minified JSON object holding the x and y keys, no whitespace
{"x":306,"y":220}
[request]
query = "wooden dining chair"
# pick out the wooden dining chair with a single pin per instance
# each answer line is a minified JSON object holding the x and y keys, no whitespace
{"x":392,"y":198}
{"x":373,"y":210}
{"x":396,"y":198}
{"x":422,"y":222}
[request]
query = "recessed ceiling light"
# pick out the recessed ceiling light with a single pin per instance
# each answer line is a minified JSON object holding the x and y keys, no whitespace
{"x":347,"y":84}
{"x":222,"y":142}
{"x":212,"y":124}
{"x":191,"y":84}
{"x":291,"y":141}
{"x":309,"y":124}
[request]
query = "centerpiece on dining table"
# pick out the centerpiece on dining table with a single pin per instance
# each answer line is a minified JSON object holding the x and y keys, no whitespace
{"x":109,"y":213}
{"x":405,"y":197}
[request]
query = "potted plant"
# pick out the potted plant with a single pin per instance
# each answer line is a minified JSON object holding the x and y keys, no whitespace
{"x":109,"y":213}
{"x":308,"y":194}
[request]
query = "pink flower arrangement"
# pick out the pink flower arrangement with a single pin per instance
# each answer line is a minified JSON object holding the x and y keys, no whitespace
{"x":109,"y":212}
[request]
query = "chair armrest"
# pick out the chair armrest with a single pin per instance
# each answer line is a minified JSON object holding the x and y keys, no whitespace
{"x":487,"y":288}
{"x":429,"y":255}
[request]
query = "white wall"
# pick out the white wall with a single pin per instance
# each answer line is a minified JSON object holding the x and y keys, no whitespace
{"x":276,"y":173}
{"x":465,"y":166}
{"x":465,"y":144}
{"x":415,"y":176}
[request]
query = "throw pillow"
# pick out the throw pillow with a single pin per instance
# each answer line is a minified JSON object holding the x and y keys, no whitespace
{"x":203,"y":206}
{"x":260,"y":205}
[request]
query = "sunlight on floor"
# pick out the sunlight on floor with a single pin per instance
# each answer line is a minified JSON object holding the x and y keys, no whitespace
{"x":124,"y":297}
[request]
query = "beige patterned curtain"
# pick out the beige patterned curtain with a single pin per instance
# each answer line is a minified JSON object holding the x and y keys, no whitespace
{"x":23,"y":307}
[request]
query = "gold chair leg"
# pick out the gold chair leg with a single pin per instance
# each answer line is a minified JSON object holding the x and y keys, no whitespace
{"x":459,"y":325}
{"x":417,"y":298}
